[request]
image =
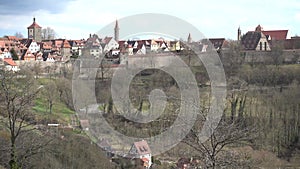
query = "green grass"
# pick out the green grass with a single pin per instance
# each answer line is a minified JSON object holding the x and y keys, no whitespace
{"x":60,"y":112}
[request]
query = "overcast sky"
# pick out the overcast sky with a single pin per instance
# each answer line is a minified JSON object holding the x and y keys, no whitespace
{"x":76,"y":19}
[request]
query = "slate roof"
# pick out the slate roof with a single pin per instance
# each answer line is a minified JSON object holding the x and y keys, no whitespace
{"x":250,"y":40}
{"x":217,"y":42}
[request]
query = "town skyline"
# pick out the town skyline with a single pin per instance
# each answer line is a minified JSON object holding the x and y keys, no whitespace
{"x":77,"y":19}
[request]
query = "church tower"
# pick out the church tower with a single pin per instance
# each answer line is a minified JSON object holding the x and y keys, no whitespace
{"x":35,"y":31}
{"x":117,"y":31}
{"x":189,"y":39}
{"x":239,"y":34}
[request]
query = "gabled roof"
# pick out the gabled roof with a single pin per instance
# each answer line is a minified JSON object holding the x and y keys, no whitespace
{"x":273,"y":34}
{"x":251,"y":39}
{"x":106,"y":40}
{"x":276,"y":34}
{"x":66,"y":44}
{"x":27,"y":42}
{"x":58,"y":43}
{"x":14,"y":38}
{"x":140,"y":148}
{"x":217,"y":42}
{"x":27,"y":54}
{"x":10,"y":62}
{"x":46,"y":45}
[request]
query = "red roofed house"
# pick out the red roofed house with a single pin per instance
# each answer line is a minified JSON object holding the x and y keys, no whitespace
{"x":66,"y":50}
{"x":255,"y":40}
{"x":28,"y":56}
{"x":261,"y":39}
{"x":110,"y":44}
{"x":31,"y":45}
{"x":93,"y":46}
{"x":10,"y":65}
{"x":142,"y":151}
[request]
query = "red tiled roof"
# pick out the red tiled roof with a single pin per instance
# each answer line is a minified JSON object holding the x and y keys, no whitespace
{"x":106,"y":40}
{"x":46,"y":45}
{"x":12,"y":38}
{"x":34,"y":25}
{"x":276,"y":34}
{"x":58,"y":43}
{"x":66,"y":44}
{"x":10,"y":61}
{"x":142,"y":147}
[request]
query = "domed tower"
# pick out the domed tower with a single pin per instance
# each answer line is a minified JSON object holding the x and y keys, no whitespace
{"x":117,"y":31}
{"x":35,"y":31}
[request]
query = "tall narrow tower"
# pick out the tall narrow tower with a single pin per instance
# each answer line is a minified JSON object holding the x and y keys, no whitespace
{"x":189,"y":39}
{"x":35,"y":31}
{"x":239,"y":34}
{"x":117,"y":31}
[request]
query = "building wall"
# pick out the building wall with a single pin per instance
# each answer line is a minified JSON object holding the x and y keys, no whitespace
{"x":112,"y":44}
{"x":289,"y":56}
{"x":263,"y":44}
{"x":35,"y":33}
{"x":34,"y":47}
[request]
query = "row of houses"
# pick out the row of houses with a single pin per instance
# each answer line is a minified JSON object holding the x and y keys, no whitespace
{"x":34,"y":48}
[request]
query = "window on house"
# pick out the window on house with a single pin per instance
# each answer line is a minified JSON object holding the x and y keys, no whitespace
{"x":265,"y":45}
{"x":260,"y":45}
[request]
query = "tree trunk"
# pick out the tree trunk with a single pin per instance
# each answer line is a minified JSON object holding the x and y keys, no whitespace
{"x":13,"y":157}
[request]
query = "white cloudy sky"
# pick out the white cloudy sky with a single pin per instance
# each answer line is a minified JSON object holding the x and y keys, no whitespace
{"x":76,"y":19}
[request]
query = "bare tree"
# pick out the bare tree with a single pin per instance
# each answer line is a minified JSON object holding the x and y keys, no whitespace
{"x":50,"y":93}
{"x":277,"y":53}
{"x":229,"y":132}
{"x":19,"y":35}
{"x":17,"y":94}
{"x":64,"y":89}
{"x":233,"y":58}
{"x":48,"y":33}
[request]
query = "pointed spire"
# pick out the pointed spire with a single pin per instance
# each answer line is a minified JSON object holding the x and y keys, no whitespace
{"x":33,"y":19}
{"x":117,"y":24}
{"x":189,"y":39}
{"x":117,"y":31}
{"x":239,"y":34}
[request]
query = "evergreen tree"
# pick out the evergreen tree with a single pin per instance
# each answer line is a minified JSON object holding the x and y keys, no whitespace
{"x":14,"y":54}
